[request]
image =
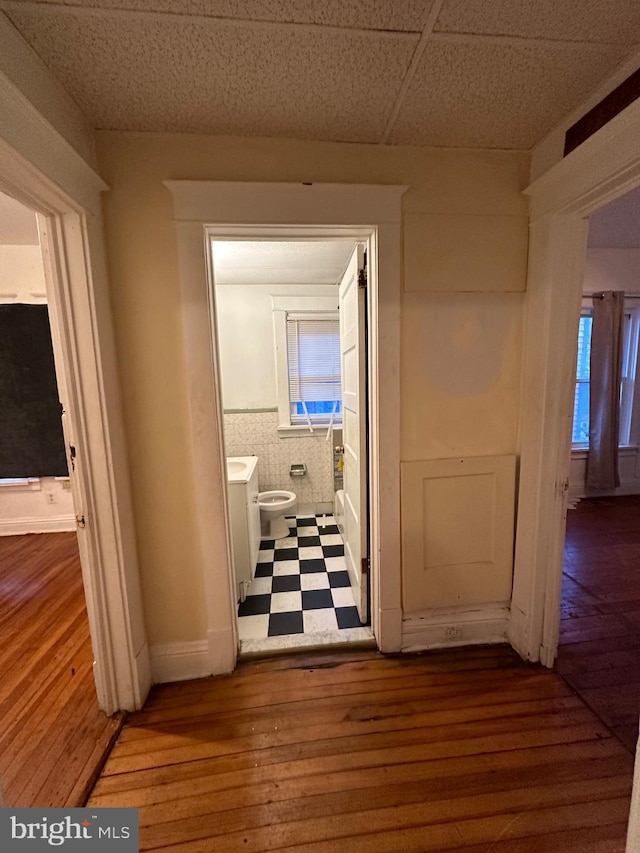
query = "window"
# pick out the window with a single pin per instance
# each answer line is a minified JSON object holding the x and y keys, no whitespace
{"x":313,"y":367}
{"x":307,"y":333}
{"x":581,"y":397}
{"x":580,"y":436}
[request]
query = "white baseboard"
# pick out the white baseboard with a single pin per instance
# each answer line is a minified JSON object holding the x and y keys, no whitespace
{"x":223,"y":650}
{"x":53,"y":524}
{"x":144,"y":680}
{"x":389,"y":630}
{"x":180,"y":661}
{"x":448,"y":627}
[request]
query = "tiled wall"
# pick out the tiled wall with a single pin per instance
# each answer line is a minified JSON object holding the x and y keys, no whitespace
{"x":256,"y":434}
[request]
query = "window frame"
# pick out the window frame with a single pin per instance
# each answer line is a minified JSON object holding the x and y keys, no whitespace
{"x":628,"y":390}
{"x":283,"y":305}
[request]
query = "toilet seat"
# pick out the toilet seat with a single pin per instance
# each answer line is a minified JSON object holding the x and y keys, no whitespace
{"x":276,"y":500}
{"x":273,"y":506}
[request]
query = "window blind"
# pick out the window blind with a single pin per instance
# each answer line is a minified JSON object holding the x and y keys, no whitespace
{"x":313,"y":360}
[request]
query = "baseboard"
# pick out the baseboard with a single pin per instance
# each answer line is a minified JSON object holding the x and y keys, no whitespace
{"x":180,"y":661}
{"x":53,"y":524}
{"x":144,"y":680}
{"x":389,"y":630}
{"x":223,"y":650}
{"x":448,"y":627}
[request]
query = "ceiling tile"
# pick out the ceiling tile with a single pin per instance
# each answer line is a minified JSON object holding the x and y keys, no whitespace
{"x":404,"y":15}
{"x":488,"y":95}
{"x":175,"y":74}
{"x":575,"y":20}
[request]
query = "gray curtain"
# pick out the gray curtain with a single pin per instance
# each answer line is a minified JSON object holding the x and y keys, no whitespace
{"x":604,"y":394}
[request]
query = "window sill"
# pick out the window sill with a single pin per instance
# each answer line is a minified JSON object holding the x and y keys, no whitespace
{"x":624,"y":450}
{"x":21,"y":484}
{"x":288,"y":431}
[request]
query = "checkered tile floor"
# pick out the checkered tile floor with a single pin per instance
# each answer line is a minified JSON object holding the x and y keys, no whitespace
{"x":301,"y":585}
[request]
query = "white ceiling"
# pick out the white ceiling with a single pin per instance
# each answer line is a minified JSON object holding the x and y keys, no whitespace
{"x":277,"y":262}
{"x":479,"y":73}
{"x":17,"y":223}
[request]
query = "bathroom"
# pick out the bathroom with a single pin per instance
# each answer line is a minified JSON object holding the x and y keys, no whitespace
{"x":276,"y":307}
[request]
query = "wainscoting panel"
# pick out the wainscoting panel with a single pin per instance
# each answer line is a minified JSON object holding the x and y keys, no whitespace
{"x":457,"y":531}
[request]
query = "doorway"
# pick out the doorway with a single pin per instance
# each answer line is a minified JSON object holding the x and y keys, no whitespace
{"x":599,"y":644}
{"x":291,"y":350}
{"x":71,"y":237}
{"x":48,"y":694}
{"x":203,"y":211}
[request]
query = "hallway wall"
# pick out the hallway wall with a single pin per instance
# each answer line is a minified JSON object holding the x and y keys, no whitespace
{"x":461,"y":317}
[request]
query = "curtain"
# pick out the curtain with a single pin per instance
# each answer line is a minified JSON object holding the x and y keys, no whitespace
{"x":604,"y":399}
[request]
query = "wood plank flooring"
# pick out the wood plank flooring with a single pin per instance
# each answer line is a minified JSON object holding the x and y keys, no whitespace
{"x":469,"y":749}
{"x":52,"y":736}
{"x":599,"y":653}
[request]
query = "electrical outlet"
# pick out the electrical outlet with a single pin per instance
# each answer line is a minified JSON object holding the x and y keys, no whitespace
{"x":453,"y":632}
{"x":50,"y":497}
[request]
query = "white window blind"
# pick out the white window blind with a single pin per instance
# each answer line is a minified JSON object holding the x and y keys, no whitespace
{"x":313,"y":362}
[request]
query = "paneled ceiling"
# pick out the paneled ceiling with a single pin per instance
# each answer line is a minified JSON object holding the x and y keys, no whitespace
{"x":477,"y":73}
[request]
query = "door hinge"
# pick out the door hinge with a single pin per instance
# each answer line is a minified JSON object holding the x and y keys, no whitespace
{"x":365,"y":565}
{"x":362,"y":277}
{"x":80,"y":521}
{"x":72,"y":456}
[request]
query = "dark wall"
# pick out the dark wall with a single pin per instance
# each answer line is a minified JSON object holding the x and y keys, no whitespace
{"x":31,"y":440}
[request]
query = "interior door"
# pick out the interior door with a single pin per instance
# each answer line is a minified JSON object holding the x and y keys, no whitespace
{"x":354,"y":413}
{"x":75,"y":459}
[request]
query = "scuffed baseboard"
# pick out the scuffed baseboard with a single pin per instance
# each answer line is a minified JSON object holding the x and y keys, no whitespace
{"x":448,"y":627}
{"x":180,"y":661}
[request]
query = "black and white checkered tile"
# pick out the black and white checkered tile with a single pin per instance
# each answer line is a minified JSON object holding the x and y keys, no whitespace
{"x":301,"y":585}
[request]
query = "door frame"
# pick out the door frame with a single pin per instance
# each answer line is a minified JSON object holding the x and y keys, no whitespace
{"x":603,"y":168}
{"x":218,"y":209}
{"x":72,"y":245}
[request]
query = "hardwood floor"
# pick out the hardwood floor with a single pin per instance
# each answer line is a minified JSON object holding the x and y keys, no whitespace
{"x":599,"y":654}
{"x":52,"y":735}
{"x":470,"y":749}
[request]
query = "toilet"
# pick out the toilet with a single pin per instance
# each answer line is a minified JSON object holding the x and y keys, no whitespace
{"x":273,"y":506}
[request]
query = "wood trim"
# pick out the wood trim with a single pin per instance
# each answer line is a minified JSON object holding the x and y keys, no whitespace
{"x":447,"y":627}
{"x":23,"y":129}
{"x":283,"y":210}
{"x":603,"y":168}
{"x":73,"y":250}
{"x":609,"y":107}
{"x":179,"y":661}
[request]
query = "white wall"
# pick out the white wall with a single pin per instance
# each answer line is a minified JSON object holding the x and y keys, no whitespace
{"x":247,"y":360}
{"x":246,"y":341}
{"x":21,"y":275}
{"x":33,"y":505}
{"x":612,"y":269}
{"x":449,"y":330}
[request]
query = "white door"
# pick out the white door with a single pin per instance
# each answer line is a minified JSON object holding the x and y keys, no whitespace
{"x":353,"y":366}
{"x":74,"y":456}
